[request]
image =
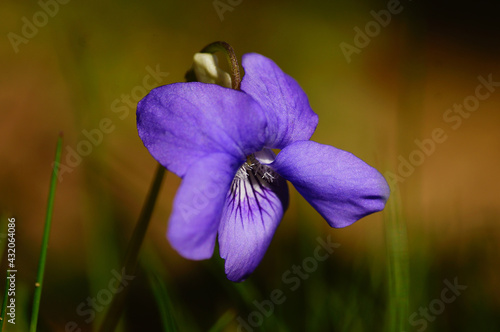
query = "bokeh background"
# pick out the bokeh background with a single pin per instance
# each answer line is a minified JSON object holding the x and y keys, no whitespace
{"x":74,"y":69}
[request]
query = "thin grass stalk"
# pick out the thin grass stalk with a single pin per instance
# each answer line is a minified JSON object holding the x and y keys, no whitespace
{"x":223,"y":321}
{"x":398,"y":267}
{"x":45,"y":240}
{"x":4,"y":304}
{"x":162,"y":300}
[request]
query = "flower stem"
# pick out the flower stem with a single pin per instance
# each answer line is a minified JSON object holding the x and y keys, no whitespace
{"x":45,"y":240}
{"x":220,"y":46}
{"x":131,"y":257}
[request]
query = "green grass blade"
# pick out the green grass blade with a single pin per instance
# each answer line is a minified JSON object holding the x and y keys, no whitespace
{"x":162,"y":299}
{"x":4,"y":304}
{"x":181,"y":315}
{"x":399,"y":276}
{"x":117,"y":304}
{"x":45,"y":240}
{"x":223,"y":321}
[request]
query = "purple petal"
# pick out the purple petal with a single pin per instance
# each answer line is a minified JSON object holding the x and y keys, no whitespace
{"x":340,"y":186}
{"x":198,"y":205}
{"x":252,"y":212}
{"x":289,"y":116}
{"x":183,"y":122}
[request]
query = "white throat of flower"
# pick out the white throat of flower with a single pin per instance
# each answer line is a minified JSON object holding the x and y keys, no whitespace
{"x":256,"y":166}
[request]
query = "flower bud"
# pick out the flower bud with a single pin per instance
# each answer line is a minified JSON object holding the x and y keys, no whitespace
{"x":207,"y":70}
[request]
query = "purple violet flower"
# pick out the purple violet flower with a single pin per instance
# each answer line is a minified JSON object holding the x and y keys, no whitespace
{"x":219,"y":141}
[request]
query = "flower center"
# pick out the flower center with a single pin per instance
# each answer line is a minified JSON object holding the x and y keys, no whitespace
{"x":256,"y":166}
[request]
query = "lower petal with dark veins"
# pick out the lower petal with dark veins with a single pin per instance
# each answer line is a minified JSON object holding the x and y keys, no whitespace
{"x":252,"y":212}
